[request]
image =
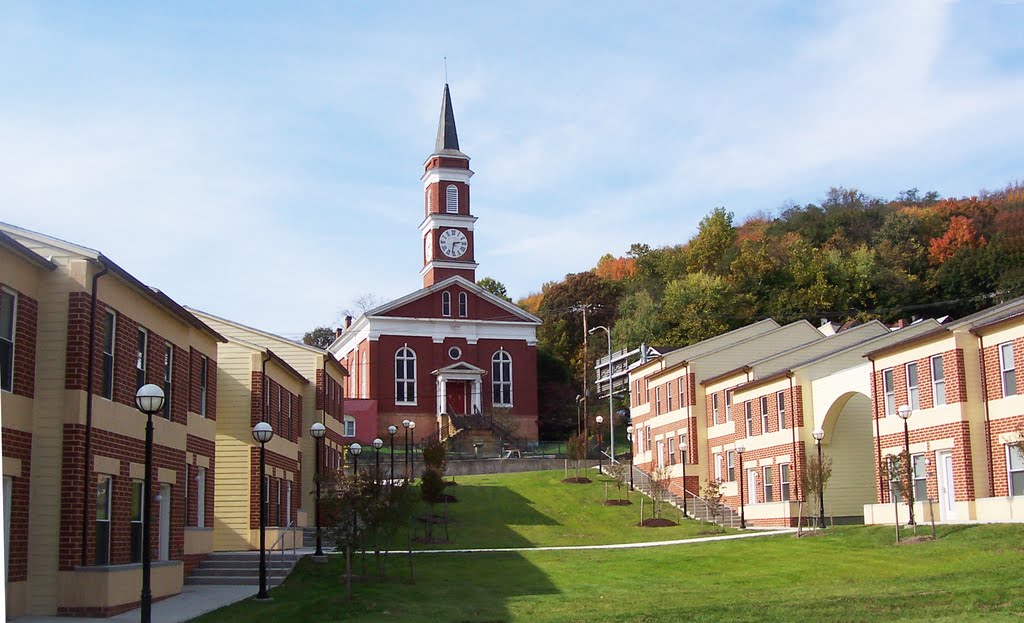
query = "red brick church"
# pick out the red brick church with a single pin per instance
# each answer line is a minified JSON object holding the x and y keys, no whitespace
{"x":450,"y":356}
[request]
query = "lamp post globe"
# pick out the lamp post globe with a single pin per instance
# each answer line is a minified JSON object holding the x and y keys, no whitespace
{"x":905,"y":412}
{"x":740,"y":449}
{"x":391,"y":437}
{"x":818,"y":435}
{"x":149,"y":399}
{"x":355,"y":450}
{"x":263,"y":432}
{"x":600,"y":445}
{"x":317,"y":432}
{"x":378,"y":443}
{"x":406,"y":424}
{"x":629,"y":435}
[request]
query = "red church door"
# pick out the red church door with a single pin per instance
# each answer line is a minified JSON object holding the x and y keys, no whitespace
{"x":457,"y":399}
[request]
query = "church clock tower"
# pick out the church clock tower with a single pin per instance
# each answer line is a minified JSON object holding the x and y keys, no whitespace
{"x":447,"y":227}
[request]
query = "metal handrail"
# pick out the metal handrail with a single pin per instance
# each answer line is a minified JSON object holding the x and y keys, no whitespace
{"x":676,"y":489}
{"x":280,"y":539}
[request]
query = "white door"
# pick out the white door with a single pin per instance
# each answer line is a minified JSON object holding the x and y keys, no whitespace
{"x":165,"y":522}
{"x":661,"y":454}
{"x":200,"y":498}
{"x":751,"y":485}
{"x":947,"y":491}
{"x":8,"y":487}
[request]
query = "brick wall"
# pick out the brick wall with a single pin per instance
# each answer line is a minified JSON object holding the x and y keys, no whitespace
{"x":796,"y":463}
{"x":18,"y":445}
{"x":335,"y":395}
{"x":993,"y":385}
{"x":1000,"y":481}
{"x":953,"y":370}
{"x":26,"y":327}
{"x":281,"y":462}
{"x":199,"y":446}
{"x":963,"y":474}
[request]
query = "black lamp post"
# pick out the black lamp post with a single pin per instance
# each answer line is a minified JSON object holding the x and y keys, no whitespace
{"x":629,"y":435}
{"x":263,"y":433}
{"x":378,"y":443}
{"x":149,"y":399}
{"x":818,"y":435}
{"x":740,"y":449}
{"x":317,"y":430}
{"x":412,"y":448}
{"x":391,"y":435}
{"x":406,"y":424}
{"x":905,"y":412}
{"x":600,"y":465}
{"x":355,"y":450}
{"x":682,"y":457}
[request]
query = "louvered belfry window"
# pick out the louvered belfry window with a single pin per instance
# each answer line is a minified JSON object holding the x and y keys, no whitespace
{"x":451,"y":199}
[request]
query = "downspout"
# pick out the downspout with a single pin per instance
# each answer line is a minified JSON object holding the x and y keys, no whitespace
{"x":263,"y":386}
{"x":686,"y":379}
{"x":87,"y":451}
{"x":988,"y":424}
{"x":878,"y":433}
{"x":792,"y":400}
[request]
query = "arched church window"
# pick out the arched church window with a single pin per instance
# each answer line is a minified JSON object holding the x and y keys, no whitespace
{"x":501,"y":379}
{"x":463,"y":305}
{"x":451,"y":198}
{"x":446,"y":303}
{"x":405,"y":376}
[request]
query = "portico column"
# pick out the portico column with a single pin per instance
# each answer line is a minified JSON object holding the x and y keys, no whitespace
{"x":442,"y":396}
{"x":478,"y":395}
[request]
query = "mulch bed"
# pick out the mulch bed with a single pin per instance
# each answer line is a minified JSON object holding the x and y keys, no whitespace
{"x":444,"y":498}
{"x":913,"y":540}
{"x":576,"y":480}
{"x":617,"y":502}
{"x":432,"y":519}
{"x":657,"y":522}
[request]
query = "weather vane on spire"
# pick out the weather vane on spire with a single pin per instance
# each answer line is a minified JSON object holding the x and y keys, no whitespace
{"x":445,"y":69}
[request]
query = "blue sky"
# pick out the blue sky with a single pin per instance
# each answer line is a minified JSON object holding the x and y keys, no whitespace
{"x":261,"y":160}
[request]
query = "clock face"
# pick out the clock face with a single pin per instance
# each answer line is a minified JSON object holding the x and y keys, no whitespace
{"x":453,"y":243}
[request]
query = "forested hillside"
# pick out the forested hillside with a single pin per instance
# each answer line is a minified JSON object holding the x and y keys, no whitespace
{"x":851,"y":257}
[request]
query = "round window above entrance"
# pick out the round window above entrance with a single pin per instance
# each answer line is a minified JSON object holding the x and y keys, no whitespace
{"x":455,"y":352}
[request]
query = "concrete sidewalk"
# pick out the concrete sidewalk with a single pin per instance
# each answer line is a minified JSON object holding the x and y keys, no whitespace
{"x":193,"y":601}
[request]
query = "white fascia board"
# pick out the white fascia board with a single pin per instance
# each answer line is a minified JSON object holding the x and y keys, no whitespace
{"x":440,"y":285}
{"x":444,"y":264}
{"x":446,"y":175}
{"x":55,"y":247}
{"x":350,"y":338}
{"x":443,"y":219}
{"x":439,"y":328}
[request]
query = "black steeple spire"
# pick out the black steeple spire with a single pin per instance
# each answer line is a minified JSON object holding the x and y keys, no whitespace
{"x":447,"y":136}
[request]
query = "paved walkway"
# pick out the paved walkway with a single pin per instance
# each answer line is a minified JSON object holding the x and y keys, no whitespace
{"x":195,"y":600}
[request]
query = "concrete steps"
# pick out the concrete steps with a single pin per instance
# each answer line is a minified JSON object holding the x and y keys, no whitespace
{"x":242,"y":568}
{"x":695,"y":508}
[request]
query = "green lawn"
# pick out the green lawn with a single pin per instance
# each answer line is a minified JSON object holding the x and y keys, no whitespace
{"x":971,"y":573}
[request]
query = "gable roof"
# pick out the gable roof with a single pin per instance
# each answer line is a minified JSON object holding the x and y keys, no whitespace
{"x":460,"y":366}
{"x":515,"y":310}
{"x":25,"y":252}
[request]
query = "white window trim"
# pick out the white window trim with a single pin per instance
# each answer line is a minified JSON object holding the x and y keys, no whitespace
{"x":766,"y":483}
{"x":349,"y":420}
{"x":780,"y":404}
{"x":657,"y":400}
{"x":889,"y":392}
{"x":1011,"y":472}
{"x":748,"y":416}
{"x":668,"y":397}
{"x":501,"y":357}
{"x":714,"y":407}
{"x":112,"y":354}
{"x":201,"y":498}
{"x":451,"y":199}
{"x":728,"y":405}
{"x":142,"y":366}
{"x":406,"y":357}
{"x":446,"y":304}
{"x":913,"y":391}
{"x":204,"y":377}
{"x":730,"y":466}
{"x":936,"y":384}
{"x":788,"y":489}
{"x":14,"y":336}
{"x":168,"y":379}
{"x":763,"y":404}
{"x":1003,"y":369}
{"x":463,"y":305}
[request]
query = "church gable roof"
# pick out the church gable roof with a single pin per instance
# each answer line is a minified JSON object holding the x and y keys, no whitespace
{"x":485,"y":307}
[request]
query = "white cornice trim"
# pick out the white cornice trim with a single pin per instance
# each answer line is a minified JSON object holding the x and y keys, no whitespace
{"x":446,"y":264}
{"x":439,"y":220}
{"x":446,"y":175}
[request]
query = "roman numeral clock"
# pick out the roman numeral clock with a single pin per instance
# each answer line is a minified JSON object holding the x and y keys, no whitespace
{"x":453,"y":243}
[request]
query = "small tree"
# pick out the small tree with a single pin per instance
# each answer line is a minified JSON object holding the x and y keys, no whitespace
{"x":712,"y":496}
{"x":432,"y":491}
{"x":659,"y":478}
{"x":815,"y":475}
{"x":435,"y":455}
{"x":620,"y":474}
{"x":577,"y":451}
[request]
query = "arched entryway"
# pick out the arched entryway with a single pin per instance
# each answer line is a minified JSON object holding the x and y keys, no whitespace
{"x":850,"y":444}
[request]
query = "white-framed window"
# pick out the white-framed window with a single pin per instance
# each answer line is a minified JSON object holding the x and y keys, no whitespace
{"x":168,"y":378}
{"x":201,"y":498}
{"x":405,"y":376}
{"x":682,"y":392}
{"x":657,"y":400}
{"x":204,"y":369}
{"x":764,"y":414}
{"x":780,"y":403}
{"x":728,"y":405}
{"x":671,"y":451}
{"x":668,"y":396}
{"x":913,"y":393}
{"x":784,"y":481}
{"x":714,"y":408}
{"x":446,"y":304}
{"x":1015,"y":470}
{"x":767,"y":484}
{"x":109,"y":331}
{"x":103,"y":498}
{"x":682,"y":449}
{"x":288,"y":415}
{"x":8,"y":316}
{"x":140,"y":357}
{"x":889,"y":390}
{"x":280,"y":508}
{"x":350,"y":426}
{"x":451,"y":199}
{"x":648,"y":440}
{"x":718,"y":466}
{"x":938,"y":381}
{"x":1006,"y":369}
{"x":730,"y":465}
{"x":501,"y":379}
{"x":639,"y":439}
{"x":280,"y":420}
{"x":748,"y":414}
{"x":135,"y":517}
{"x":463,"y":305}
{"x":920,"y":477}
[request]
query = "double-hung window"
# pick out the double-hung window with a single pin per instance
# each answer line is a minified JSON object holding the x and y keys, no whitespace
{"x":1006,"y":369}
{"x":647,"y":439}
{"x":288,"y":415}
{"x":204,"y":366}
{"x":140,"y":358}
{"x":463,"y":305}
{"x":764,"y":414}
{"x":446,"y":303}
{"x":730,"y":466}
{"x":682,"y":389}
{"x":748,"y":414}
{"x":109,"y":328}
{"x":668,"y":397}
{"x":657,"y":400}
{"x":780,"y":402}
{"x":920,"y":477}
{"x":405,"y":376}
{"x":168,"y":376}
{"x":913,"y":394}
{"x":201,"y":498}
{"x":136,"y":521}
{"x":8,"y":302}
{"x":728,"y":405}
{"x":350,"y":426}
{"x":671,"y":451}
{"x":938,"y":381}
{"x":714,"y":408}
{"x":889,"y":389}
{"x":103,"y":494}
{"x":768,"y":484}
{"x":1015,"y":470}
{"x":280,"y":420}
{"x":718,"y":466}
{"x":501,"y":379}
{"x":682,"y":448}
{"x":784,"y":481}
